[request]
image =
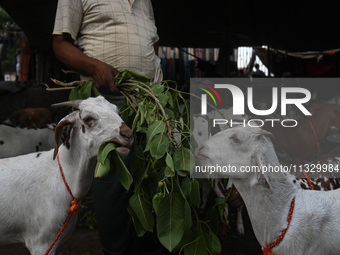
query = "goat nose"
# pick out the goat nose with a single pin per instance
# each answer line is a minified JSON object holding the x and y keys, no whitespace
{"x":125,"y":132}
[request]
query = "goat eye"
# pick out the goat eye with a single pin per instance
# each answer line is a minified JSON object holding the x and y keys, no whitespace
{"x":88,"y":119}
{"x":235,"y":139}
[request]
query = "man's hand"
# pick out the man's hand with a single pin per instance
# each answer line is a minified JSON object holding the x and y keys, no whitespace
{"x":102,"y":73}
{"x":103,"y":77}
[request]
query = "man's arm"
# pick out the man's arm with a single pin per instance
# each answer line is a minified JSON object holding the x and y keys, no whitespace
{"x":102,"y":73}
{"x":156,"y":47}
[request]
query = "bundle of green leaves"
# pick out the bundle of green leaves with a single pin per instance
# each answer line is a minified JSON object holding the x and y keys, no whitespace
{"x":165,"y":199}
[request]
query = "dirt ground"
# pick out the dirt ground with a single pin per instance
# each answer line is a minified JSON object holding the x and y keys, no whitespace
{"x":86,"y":242}
{"x":82,"y":242}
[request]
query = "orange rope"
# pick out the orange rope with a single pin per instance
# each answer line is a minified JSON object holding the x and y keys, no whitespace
{"x":268,"y":249}
{"x":308,"y":180}
{"x":62,"y":175}
{"x":59,"y":233}
{"x":317,"y":147}
{"x":74,"y":206}
{"x":315,"y":134}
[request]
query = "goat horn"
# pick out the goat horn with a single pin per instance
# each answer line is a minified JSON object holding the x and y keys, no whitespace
{"x":267,"y":133}
{"x":73,"y":103}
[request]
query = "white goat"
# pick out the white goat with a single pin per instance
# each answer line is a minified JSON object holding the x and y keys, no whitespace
{"x":315,"y":224}
{"x":201,"y":132}
{"x":15,"y":141}
{"x":34,"y":201}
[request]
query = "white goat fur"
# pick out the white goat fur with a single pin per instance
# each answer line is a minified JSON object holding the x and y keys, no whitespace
{"x":201,"y":133}
{"x":17,"y":141}
{"x":315,"y":224}
{"x":34,"y":201}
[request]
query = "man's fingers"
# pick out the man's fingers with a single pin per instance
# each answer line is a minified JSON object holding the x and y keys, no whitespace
{"x":114,"y":89}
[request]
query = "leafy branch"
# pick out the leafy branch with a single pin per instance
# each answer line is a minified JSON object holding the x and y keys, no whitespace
{"x":139,"y":85}
{"x":165,"y":198}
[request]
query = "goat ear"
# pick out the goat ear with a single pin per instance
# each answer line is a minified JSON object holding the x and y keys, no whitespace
{"x":62,"y":134}
{"x":260,"y":161}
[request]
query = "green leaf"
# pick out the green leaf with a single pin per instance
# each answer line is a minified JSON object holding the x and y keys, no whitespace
{"x":171,"y":116}
{"x":197,"y":247}
{"x":102,"y":169}
{"x":104,"y":151}
{"x":137,"y":164}
{"x":157,"y":89}
{"x":124,"y":112}
{"x":185,"y":187}
{"x":84,"y":90}
{"x":95,"y":91}
{"x":136,"y":120}
{"x":140,"y":231}
{"x":171,"y":100}
{"x":125,"y":75}
{"x":103,"y":164}
{"x":150,"y":114}
{"x":159,"y":145}
{"x":186,"y":113}
{"x":123,"y":173}
{"x":213,"y":243}
{"x":187,"y":218}
{"x":170,"y":220}
{"x":143,"y":214}
{"x":183,"y":161}
{"x":163,"y":99}
{"x":168,"y":172}
{"x":140,"y":129}
{"x":213,"y":219}
{"x":141,"y":109}
{"x":195,"y":196}
{"x":156,"y":200}
{"x":169,"y":162}
{"x":220,"y":207}
{"x":155,"y":128}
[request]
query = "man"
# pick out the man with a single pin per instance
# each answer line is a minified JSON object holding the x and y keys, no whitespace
{"x":258,"y":72}
{"x":111,"y":35}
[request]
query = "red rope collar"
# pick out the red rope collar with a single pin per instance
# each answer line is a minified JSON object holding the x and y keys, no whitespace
{"x":74,"y":206}
{"x":268,"y":249}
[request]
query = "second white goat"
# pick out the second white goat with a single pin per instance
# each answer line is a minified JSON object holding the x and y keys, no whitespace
{"x":314,"y":225}
{"x":15,"y":141}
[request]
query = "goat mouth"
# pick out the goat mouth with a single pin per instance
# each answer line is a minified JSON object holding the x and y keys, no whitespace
{"x":201,"y":157}
{"x":120,"y":144}
{"x":122,"y":149}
